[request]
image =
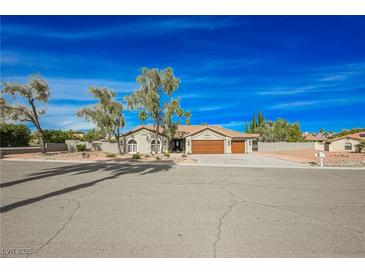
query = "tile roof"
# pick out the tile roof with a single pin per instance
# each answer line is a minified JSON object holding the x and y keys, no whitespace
{"x":187,"y":130}
{"x":352,"y":136}
{"x":318,"y":137}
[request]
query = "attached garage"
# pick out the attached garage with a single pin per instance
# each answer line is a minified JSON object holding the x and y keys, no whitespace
{"x":238,"y":146}
{"x":208,"y":146}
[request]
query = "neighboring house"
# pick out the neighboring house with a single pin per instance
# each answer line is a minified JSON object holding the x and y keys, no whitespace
{"x":345,"y":143}
{"x":312,"y":137}
{"x":195,"y":139}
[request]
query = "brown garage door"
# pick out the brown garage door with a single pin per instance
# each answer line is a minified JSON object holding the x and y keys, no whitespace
{"x":238,"y":146}
{"x":208,"y":146}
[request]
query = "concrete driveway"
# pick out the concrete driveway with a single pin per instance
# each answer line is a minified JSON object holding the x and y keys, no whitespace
{"x":138,"y":210}
{"x":247,"y":160}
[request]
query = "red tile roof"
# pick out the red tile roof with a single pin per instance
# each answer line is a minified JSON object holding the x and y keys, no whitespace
{"x":187,"y":130}
{"x":355,"y":136}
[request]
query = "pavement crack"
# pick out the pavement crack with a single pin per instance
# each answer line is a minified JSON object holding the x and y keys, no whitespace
{"x":63,"y":226}
{"x":290,"y":211}
{"x":219,"y":227}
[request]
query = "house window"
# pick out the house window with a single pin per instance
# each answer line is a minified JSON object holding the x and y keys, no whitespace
{"x":132,"y":146}
{"x":348,"y":146}
{"x":153,"y":146}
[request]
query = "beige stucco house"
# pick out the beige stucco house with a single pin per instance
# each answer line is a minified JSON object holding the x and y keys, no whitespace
{"x":346,"y":143}
{"x":195,"y":139}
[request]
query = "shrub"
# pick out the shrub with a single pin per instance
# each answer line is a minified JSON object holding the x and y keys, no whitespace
{"x":158,"y":158}
{"x":81,"y":147}
{"x":92,"y":135}
{"x":55,"y":136}
{"x":184,"y":155}
{"x":136,"y":156}
{"x":167,"y":154}
{"x":111,"y":155}
{"x":147,"y":155}
{"x":14,"y":135}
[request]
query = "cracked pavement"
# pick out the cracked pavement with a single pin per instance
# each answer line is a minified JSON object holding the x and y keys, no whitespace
{"x":141,"y":210}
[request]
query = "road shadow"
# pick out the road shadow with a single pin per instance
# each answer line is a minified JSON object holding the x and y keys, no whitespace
{"x":114,"y":169}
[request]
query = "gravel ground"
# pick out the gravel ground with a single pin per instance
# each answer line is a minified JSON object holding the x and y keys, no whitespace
{"x":345,"y":159}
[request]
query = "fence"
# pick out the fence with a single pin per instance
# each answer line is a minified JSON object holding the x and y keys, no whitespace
{"x":50,"y":147}
{"x":285,"y":146}
{"x":95,"y":146}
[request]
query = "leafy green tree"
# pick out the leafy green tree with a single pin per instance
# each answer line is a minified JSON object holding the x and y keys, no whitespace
{"x":295,"y":133}
{"x":188,"y":116}
{"x":107,"y":115}
{"x":14,"y":135}
{"x":142,"y":116}
{"x":35,"y":92}
{"x":172,"y":109}
{"x":92,"y":135}
{"x":154,"y":83}
{"x":281,"y":130}
{"x":55,"y":136}
{"x":275,"y":131}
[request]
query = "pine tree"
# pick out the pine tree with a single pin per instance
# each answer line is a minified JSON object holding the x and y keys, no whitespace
{"x":247,"y":128}
{"x":254,"y":122}
{"x":261,"y":119}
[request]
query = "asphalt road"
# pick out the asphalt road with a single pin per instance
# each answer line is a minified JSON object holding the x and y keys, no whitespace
{"x":115,"y":210}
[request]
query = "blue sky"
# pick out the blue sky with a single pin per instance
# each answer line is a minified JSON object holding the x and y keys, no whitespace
{"x":303,"y":68}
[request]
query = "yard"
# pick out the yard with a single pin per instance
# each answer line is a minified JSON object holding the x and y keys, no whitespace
{"x":101,"y":156}
{"x":345,"y":159}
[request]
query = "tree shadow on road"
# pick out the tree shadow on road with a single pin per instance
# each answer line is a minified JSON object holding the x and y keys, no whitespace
{"x":115,"y":171}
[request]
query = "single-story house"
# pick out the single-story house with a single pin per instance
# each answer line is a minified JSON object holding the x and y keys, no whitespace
{"x":314,"y":137}
{"x":195,"y":139}
{"x":345,"y":143}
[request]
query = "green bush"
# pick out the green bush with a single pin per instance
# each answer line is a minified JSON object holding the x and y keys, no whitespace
{"x":14,"y":135}
{"x":167,"y":154}
{"x":111,"y":155}
{"x":55,"y":136}
{"x":158,"y":158}
{"x":92,"y":135}
{"x":81,"y":147}
{"x":136,"y":156}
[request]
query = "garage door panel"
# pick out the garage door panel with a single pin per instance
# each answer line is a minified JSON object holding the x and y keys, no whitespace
{"x":238,"y":146}
{"x":208,"y":147}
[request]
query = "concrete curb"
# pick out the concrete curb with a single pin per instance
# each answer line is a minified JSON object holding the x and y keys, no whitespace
{"x":181,"y":164}
{"x":83,"y":161}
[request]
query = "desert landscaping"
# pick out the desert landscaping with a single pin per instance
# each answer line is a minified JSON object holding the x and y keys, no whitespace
{"x":341,"y":159}
{"x":102,"y":156}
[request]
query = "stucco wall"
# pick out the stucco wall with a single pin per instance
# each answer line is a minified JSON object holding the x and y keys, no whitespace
{"x":144,"y":138}
{"x":284,"y":146}
{"x":339,"y":145}
{"x":208,"y":134}
{"x":50,"y":147}
{"x":318,"y":146}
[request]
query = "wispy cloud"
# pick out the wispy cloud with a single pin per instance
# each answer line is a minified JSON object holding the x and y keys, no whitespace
{"x":233,"y":124}
{"x":78,"y":89}
{"x":338,"y":78}
{"x":145,"y":26}
{"x":208,"y":108}
{"x":318,"y":103}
